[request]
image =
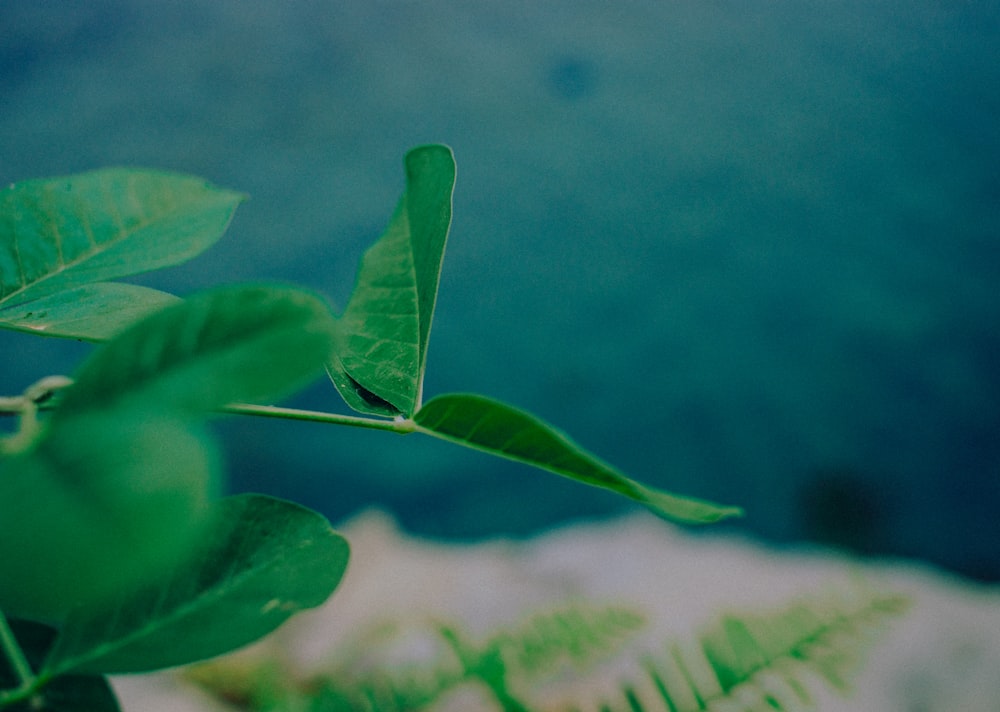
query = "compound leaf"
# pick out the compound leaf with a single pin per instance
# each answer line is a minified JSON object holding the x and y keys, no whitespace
{"x":93,"y":312}
{"x":219,"y":346}
{"x":488,"y":425}
{"x":379,"y":361}
{"x":764,"y":661}
{"x":60,"y":233}
{"x":263,"y":559}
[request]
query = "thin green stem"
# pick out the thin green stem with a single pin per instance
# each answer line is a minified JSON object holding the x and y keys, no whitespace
{"x":18,"y":663}
{"x":399,"y":425}
{"x":11,"y":405}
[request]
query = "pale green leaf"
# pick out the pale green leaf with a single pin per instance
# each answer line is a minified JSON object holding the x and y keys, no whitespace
{"x":99,"y":504}
{"x":238,"y":343}
{"x":488,"y":425}
{"x":93,"y":312}
{"x":379,"y":362}
{"x":60,"y":233}
{"x":263,"y":560}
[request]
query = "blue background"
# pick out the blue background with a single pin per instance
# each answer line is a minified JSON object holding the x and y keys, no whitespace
{"x":747,"y":251}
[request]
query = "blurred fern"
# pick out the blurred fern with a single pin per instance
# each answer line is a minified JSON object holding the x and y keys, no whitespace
{"x":740,"y":662}
{"x":751,"y":662}
{"x":575,"y":636}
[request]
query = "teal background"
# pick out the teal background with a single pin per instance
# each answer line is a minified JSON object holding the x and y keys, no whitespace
{"x":746,"y":251}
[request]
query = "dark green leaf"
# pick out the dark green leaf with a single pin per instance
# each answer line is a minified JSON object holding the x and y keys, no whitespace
{"x":263,"y":560}
{"x":379,"y":362}
{"x":93,"y":312}
{"x":60,"y":233}
{"x":72,"y":693}
{"x":485,"y":424}
{"x":100,"y":504}
{"x":231,"y":344}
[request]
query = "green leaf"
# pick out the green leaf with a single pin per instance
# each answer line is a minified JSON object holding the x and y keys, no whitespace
{"x":71,"y":693}
{"x":485,"y":424}
{"x":93,"y":312}
{"x":230,"y":344}
{"x":379,"y":362}
{"x":263,"y":560}
{"x":61,"y":233}
{"x":98,"y":505}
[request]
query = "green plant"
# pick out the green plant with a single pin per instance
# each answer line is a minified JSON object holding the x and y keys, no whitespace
{"x":759,"y":661}
{"x":576,"y":637}
{"x":116,"y":554}
{"x":745,"y":661}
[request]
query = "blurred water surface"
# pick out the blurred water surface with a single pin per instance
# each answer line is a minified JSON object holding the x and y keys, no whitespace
{"x":747,"y":251}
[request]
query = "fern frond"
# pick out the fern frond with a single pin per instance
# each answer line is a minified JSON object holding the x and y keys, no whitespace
{"x":756,"y":662}
{"x":739,"y":663}
{"x":576,"y":636}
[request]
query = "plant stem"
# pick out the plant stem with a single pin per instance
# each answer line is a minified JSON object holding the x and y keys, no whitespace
{"x":37,"y":396}
{"x":19,"y":664}
{"x":399,"y":425}
{"x":27,"y":430}
{"x":16,"y":406}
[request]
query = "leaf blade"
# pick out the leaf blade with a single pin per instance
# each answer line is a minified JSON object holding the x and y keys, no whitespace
{"x":499,"y":429}
{"x":97,"y":505}
{"x":264,"y":559}
{"x":60,"y":233}
{"x":92,"y":312}
{"x":381,"y":354}
{"x":235,"y":343}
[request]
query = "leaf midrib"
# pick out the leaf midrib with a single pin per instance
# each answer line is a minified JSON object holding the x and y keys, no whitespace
{"x":97,"y":247}
{"x":155,"y":623}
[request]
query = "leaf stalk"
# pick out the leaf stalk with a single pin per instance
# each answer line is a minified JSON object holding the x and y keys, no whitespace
{"x":27,"y":681}
{"x":398,"y":425}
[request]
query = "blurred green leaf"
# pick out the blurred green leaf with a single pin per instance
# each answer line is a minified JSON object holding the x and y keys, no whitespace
{"x":60,"y":233}
{"x":224,"y":345}
{"x":488,"y":425}
{"x":112,"y":490}
{"x":263,"y":559}
{"x":93,"y":312}
{"x":72,"y":693}
{"x":379,"y":362}
{"x":100,"y":504}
